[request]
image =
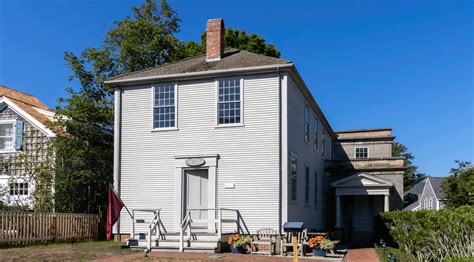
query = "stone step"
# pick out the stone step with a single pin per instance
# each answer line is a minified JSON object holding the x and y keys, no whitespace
{"x":192,"y":244}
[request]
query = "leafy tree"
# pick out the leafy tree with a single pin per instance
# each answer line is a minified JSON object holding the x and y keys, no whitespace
{"x":411,"y":175}
{"x":236,"y":38}
{"x":84,"y":147}
{"x":459,"y":186}
{"x":84,"y":152}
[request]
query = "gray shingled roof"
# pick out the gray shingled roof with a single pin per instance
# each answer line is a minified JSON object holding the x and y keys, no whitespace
{"x":436,"y":183}
{"x":232,"y":59}
{"x":412,"y":205}
{"x":417,"y":188}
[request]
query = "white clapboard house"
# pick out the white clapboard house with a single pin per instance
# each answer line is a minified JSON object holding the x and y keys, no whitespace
{"x":225,"y":142}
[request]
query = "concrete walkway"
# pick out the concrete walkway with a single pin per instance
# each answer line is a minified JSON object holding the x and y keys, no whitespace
{"x":361,"y":255}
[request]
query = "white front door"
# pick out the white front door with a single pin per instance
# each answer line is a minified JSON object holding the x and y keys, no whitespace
{"x":197,"y":195}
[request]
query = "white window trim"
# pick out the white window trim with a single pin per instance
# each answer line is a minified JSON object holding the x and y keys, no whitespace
{"x":175,"y":128}
{"x":309,"y":124}
{"x":216,"y":88}
{"x":316,"y":189}
{"x":323,"y":142}
{"x":293,"y":201}
{"x":10,"y":121}
{"x":355,"y":150}
{"x":316,"y":132}
{"x":307,"y":184}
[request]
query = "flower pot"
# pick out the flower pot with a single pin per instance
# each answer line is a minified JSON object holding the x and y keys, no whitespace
{"x":318,"y":251}
{"x":238,"y":250}
{"x":234,"y":249}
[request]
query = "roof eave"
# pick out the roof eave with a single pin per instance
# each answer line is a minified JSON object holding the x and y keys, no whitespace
{"x":197,"y":75}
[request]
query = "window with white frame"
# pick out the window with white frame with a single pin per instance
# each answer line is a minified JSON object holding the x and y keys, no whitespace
{"x":164,"y":107}
{"x":306,"y":123}
{"x":430,"y":203}
{"x":18,"y":189}
{"x":315,"y":189}
{"x":293,"y":174}
{"x":7,"y":136}
{"x":425,"y":204}
{"x":230,"y":101}
{"x":11,"y":135}
{"x":315,"y":134}
{"x":306,"y":193}
{"x":323,"y":142}
{"x":361,"y":152}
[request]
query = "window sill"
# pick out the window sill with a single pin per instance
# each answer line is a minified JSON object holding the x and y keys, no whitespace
{"x":229,"y":125}
{"x":164,"y":129}
{"x":7,"y":151}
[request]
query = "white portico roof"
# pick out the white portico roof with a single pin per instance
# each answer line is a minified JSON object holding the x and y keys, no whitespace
{"x":362,"y":184}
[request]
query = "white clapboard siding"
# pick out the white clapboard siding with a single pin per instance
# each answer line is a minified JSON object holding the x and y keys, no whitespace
{"x":310,"y":214}
{"x":248,"y":155}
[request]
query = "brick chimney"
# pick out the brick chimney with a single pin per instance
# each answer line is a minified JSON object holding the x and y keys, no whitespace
{"x":214,"y":39}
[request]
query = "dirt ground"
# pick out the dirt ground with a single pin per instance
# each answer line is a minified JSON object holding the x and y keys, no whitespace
{"x":201,"y":257}
{"x":113,"y":251}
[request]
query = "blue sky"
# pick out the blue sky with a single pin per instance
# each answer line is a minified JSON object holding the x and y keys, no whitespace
{"x":401,"y":64}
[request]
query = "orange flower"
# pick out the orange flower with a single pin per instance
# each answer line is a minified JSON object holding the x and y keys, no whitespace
{"x":314,"y":241}
{"x":233,"y":238}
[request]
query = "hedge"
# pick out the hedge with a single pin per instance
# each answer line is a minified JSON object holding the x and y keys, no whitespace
{"x":430,"y":235}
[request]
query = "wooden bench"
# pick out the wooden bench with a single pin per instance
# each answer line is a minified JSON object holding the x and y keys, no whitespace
{"x":264,"y":241}
{"x":287,"y":241}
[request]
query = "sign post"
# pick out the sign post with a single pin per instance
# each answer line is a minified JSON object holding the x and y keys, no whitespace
{"x":294,"y":228}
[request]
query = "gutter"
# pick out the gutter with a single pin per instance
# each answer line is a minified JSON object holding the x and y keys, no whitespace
{"x":117,"y":145}
{"x":280,"y":154}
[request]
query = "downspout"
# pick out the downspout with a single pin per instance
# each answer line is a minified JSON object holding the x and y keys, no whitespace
{"x":280,"y":153}
{"x":117,"y":145}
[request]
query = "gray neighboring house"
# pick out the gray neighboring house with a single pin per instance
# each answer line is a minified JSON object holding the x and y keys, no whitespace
{"x":234,"y":141}
{"x":426,"y":195}
{"x":24,"y":136}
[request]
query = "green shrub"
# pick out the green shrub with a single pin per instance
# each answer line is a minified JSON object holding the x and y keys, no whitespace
{"x":431,"y":235}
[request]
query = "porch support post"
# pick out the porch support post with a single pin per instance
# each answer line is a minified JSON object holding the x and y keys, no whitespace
{"x":386,"y":204}
{"x":338,"y":211}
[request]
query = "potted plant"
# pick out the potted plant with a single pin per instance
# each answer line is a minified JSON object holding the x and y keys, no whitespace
{"x":238,"y":243}
{"x":327,"y":245}
{"x":315,"y":244}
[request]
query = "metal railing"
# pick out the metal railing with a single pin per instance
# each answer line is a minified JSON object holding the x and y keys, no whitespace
{"x":241,"y":227}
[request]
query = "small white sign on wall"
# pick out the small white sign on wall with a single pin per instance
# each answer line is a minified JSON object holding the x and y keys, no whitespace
{"x":229,"y":185}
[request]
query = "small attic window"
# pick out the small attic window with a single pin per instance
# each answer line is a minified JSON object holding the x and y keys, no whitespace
{"x":361,"y":152}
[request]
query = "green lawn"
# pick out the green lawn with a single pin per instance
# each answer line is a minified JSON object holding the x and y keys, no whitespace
{"x":398,"y":254}
{"x":65,"y":251}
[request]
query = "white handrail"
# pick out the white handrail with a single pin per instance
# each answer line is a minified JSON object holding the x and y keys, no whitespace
{"x":187,"y":221}
{"x":186,"y":224}
{"x":152,"y":226}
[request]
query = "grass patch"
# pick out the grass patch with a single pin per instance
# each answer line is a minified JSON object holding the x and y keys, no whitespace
{"x":66,"y":251}
{"x":401,"y":256}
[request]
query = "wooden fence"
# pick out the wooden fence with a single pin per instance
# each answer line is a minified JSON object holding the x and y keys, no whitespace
{"x":24,"y":228}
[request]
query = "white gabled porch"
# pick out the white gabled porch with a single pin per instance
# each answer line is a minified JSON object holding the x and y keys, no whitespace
{"x":359,"y":198}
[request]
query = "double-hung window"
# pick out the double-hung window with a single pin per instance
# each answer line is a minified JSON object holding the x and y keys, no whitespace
{"x":229,"y":110}
{"x":164,"y":106}
{"x":306,"y":193}
{"x":323,"y":142}
{"x":361,"y":152}
{"x":306,"y":123}
{"x":315,"y":189}
{"x":315,"y":134}
{"x":294,"y":174}
{"x":11,"y":135}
